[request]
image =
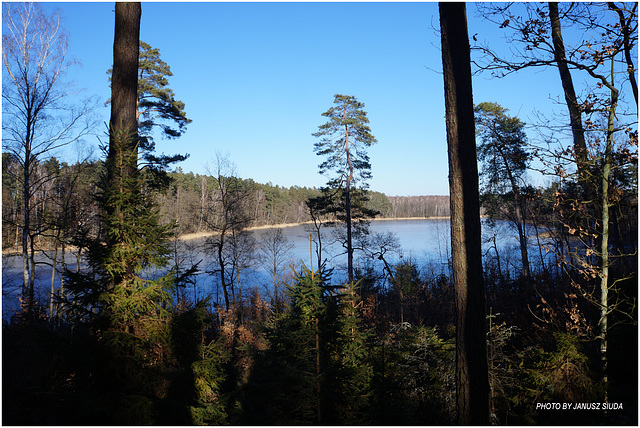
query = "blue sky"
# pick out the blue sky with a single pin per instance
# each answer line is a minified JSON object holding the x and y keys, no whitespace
{"x":256,"y":77}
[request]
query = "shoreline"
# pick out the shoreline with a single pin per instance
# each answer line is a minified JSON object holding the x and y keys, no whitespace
{"x":197,"y":235}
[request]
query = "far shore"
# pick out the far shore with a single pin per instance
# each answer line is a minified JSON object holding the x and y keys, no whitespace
{"x":191,"y":236}
{"x":197,"y":235}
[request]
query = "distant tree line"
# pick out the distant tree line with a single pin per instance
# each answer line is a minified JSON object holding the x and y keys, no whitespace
{"x":64,"y":205}
{"x":419,"y":206}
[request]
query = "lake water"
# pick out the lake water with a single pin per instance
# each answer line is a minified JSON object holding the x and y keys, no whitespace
{"x":424,"y":241}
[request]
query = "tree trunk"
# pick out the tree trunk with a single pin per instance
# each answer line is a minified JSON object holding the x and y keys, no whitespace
{"x":472,"y":377}
{"x":348,"y":204}
{"x":221,"y":261}
{"x":604,"y":248}
{"x":575,"y":116}
{"x":27,"y":304}
{"x":61,"y":288}
{"x":349,"y":244}
{"x":524,"y":253}
{"x":520,"y":224}
{"x":124,"y":83}
{"x":53,"y":273}
{"x":628,"y":48}
{"x":121,"y":161}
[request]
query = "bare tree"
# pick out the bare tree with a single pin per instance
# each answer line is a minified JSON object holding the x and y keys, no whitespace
{"x":275,"y":249}
{"x":472,"y":377}
{"x":534,"y":34}
{"x":37,"y":118}
{"x":230,"y":208}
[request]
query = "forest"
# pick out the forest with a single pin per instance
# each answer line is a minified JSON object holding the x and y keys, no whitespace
{"x":120,"y":341}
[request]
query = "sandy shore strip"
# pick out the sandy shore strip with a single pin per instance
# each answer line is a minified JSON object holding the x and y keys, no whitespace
{"x":198,"y":235}
{"x":191,"y":236}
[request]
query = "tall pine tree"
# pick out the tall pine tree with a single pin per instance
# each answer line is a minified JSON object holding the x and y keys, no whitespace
{"x":344,"y":139}
{"x":472,"y":377}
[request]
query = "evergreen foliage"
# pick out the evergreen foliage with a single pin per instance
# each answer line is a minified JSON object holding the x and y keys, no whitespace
{"x":344,"y":139}
{"x":351,"y":371}
{"x":502,"y":147}
{"x":155,"y":99}
{"x":414,"y":380}
{"x":504,"y":161}
{"x":296,"y":361}
{"x":140,"y":242}
{"x":157,"y":107}
{"x":204,"y":359}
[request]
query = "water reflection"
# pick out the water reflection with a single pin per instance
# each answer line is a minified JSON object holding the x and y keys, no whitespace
{"x":426,"y":242}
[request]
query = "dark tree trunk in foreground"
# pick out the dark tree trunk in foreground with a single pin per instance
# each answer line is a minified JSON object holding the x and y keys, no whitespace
{"x":123,"y":126}
{"x":124,"y":85}
{"x":472,"y":377}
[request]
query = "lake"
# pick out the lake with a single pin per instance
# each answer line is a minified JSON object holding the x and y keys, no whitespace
{"x":424,"y":241}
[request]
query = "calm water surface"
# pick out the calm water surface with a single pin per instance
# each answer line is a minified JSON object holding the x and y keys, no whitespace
{"x":425,"y":241}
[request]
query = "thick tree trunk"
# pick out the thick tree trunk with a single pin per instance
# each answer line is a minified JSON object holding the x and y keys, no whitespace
{"x":472,"y":377}
{"x":575,"y":116}
{"x":124,"y":83}
{"x":121,"y":161}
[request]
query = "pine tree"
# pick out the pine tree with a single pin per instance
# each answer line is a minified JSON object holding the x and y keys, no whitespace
{"x":504,"y":160}
{"x":138,"y":242}
{"x":156,"y":107}
{"x":344,"y":140}
{"x":472,"y":378}
{"x":133,"y":306}
{"x":202,"y":362}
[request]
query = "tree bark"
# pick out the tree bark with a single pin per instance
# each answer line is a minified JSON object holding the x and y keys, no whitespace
{"x":628,"y":49}
{"x":472,"y":377}
{"x":124,"y":83}
{"x":121,"y":161}
{"x":604,"y":244}
{"x":575,"y":116}
{"x":221,"y":262}
{"x":56,"y":240}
